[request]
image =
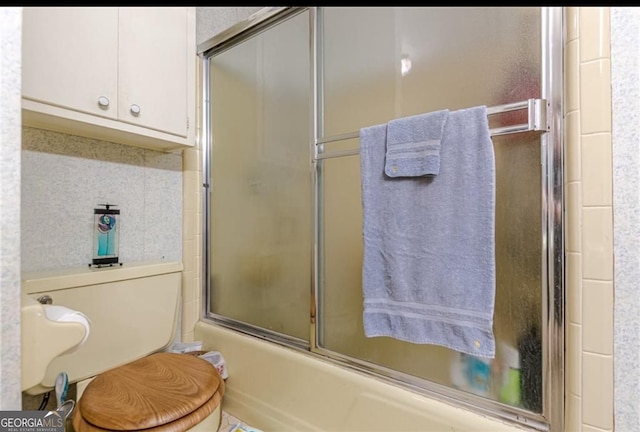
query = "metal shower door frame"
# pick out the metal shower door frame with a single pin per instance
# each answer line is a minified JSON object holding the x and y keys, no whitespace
{"x":553,"y":278}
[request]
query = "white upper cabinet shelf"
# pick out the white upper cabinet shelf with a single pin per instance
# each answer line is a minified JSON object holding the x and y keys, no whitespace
{"x":125,"y":75}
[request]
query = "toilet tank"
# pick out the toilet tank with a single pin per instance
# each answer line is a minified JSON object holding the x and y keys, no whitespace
{"x":133,"y":311}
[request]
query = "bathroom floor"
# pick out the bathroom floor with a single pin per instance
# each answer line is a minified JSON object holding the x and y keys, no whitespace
{"x":229,"y":423}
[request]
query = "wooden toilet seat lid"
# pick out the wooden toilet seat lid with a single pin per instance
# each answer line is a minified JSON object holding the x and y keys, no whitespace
{"x":150,"y":392}
{"x":180,"y":425}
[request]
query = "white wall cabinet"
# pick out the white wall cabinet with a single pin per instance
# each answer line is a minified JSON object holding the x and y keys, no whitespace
{"x":125,"y":75}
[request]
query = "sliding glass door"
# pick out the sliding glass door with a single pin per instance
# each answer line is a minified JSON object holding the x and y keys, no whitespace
{"x":260,"y":183}
{"x":285,"y":97}
{"x":399,"y":62}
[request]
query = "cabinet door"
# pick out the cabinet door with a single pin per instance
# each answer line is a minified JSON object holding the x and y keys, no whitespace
{"x":153,"y":68}
{"x":70,"y":58}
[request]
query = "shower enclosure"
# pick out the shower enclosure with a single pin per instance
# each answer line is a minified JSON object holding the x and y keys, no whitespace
{"x":284,"y":96}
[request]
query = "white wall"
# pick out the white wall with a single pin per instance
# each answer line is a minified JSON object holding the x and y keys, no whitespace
{"x":212,"y":20}
{"x":64,"y":177}
{"x":10,"y":121}
{"x":625,"y":93}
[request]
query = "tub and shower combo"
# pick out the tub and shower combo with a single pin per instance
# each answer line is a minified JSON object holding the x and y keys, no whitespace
{"x":286,"y":96}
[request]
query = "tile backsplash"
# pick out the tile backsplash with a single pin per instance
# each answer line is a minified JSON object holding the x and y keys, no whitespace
{"x":64,"y":177}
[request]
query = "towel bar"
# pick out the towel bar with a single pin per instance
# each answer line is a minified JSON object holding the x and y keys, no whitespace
{"x":537,"y":121}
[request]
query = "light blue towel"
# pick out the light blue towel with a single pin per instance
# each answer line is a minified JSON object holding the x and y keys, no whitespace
{"x":429,"y":261}
{"x":413,"y":145}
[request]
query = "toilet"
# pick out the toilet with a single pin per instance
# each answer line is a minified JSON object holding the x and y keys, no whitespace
{"x":126,"y":380}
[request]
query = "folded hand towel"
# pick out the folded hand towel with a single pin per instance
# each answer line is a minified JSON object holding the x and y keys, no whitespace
{"x":429,"y":262}
{"x":413,"y":145}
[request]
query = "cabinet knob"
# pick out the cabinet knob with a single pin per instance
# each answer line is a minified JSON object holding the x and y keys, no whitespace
{"x":135,"y":109}
{"x":103,"y":101}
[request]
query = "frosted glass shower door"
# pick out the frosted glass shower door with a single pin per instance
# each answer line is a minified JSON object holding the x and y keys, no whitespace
{"x":379,"y":64}
{"x":260,"y":218}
